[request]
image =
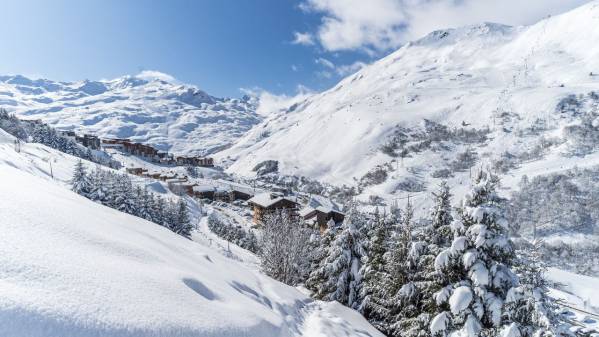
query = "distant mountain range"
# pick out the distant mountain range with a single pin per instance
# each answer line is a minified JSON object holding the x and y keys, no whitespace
{"x":171,"y":116}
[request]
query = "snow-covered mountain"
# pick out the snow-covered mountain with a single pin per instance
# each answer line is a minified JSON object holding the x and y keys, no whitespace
{"x":519,"y":99}
{"x":148,"y":109}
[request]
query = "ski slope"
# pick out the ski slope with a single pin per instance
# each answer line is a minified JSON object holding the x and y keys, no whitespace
{"x":71,"y":267}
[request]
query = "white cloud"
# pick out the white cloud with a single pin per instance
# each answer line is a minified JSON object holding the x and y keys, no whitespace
{"x":269,"y":102}
{"x":325,"y":63}
{"x":378,"y":25}
{"x":294,"y":67}
{"x":305,"y":39}
{"x":156,"y":75}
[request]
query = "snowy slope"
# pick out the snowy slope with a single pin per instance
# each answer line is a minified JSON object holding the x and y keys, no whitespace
{"x":510,"y":80}
{"x":71,"y":267}
{"x":171,"y":116}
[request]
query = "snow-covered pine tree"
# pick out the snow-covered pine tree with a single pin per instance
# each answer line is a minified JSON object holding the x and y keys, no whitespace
{"x":337,"y":278}
{"x":283,"y":247}
{"x":403,"y":293}
{"x":418,"y":300}
{"x":528,"y":306}
{"x":440,"y":232}
{"x":144,"y":209}
{"x":374,"y":272}
{"x":321,"y":243}
{"x":80,"y":182}
{"x":477,"y":267}
{"x":98,"y":190}
{"x":125,"y":199}
{"x":157,"y":209}
{"x":182,"y":225}
{"x":169,"y":212}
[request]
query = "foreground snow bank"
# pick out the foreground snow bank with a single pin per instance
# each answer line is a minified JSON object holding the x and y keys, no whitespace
{"x":70,"y":267}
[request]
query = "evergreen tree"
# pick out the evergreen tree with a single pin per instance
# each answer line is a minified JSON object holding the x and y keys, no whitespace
{"x":440,"y":232}
{"x":98,"y":189}
{"x":157,"y":206}
{"x":80,"y":182}
{"x":417,"y":300}
{"x":528,"y":306}
{"x":124,"y":199}
{"x":182,"y":224}
{"x":477,"y":267}
{"x":375,"y":272}
{"x":317,"y":274}
{"x":337,"y":277}
{"x":283,"y":247}
{"x":144,"y":208}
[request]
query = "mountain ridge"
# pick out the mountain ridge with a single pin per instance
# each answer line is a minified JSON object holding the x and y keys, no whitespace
{"x":169,"y":115}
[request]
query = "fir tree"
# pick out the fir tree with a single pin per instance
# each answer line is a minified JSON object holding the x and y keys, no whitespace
{"x":182,"y":224}
{"x":144,"y":208}
{"x":477,"y":267}
{"x":125,"y":199}
{"x":375,"y":272}
{"x":528,"y":306}
{"x":440,"y":232}
{"x":80,"y":182}
{"x":98,"y":190}
{"x":337,"y":277}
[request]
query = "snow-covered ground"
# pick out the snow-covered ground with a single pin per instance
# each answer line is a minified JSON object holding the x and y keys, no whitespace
{"x":71,"y":267}
{"x":579,"y":293}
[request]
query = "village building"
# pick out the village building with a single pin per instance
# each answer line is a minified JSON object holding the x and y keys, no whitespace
{"x":167,"y":176}
{"x":320,"y":217}
{"x":240,"y":194}
{"x":320,"y":211}
{"x":89,"y":141}
{"x":194,"y":161}
{"x":265,"y":203}
{"x":153,"y":175}
{"x":138,"y":171}
{"x":204,"y":191}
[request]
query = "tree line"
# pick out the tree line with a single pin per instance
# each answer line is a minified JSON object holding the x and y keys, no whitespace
{"x":458,"y":275}
{"x":38,"y":132}
{"x":117,"y":191}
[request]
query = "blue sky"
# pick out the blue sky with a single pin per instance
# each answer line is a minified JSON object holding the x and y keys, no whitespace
{"x":224,"y":45}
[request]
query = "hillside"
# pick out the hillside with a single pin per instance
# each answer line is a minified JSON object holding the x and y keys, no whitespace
{"x":520,"y":100}
{"x":144,"y":279}
{"x":171,"y":116}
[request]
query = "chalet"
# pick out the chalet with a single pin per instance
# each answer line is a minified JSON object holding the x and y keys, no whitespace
{"x":153,"y":175}
{"x":320,"y":217}
{"x":136,"y":170}
{"x":204,"y":191}
{"x":240,"y":194}
{"x":182,"y":187}
{"x":166,"y":176}
{"x":268,"y":202}
{"x":320,"y":211}
{"x":237,"y":191}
